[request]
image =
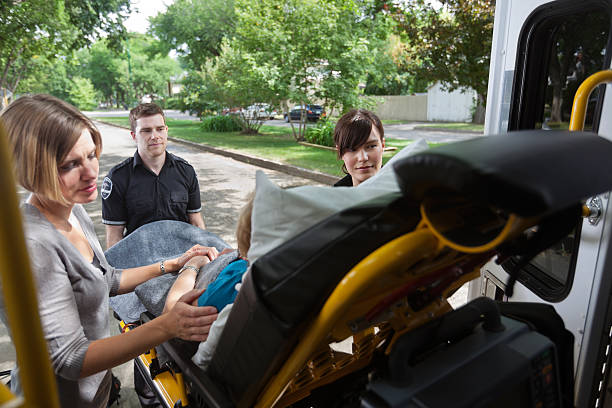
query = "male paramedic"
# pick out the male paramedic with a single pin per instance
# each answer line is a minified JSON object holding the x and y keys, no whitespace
{"x":152,"y":185}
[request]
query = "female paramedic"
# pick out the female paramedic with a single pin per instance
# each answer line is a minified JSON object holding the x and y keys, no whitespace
{"x":56,"y":150}
{"x":360,"y":139}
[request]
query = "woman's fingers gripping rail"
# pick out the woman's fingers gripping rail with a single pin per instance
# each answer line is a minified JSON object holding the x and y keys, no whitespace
{"x":191,"y":322}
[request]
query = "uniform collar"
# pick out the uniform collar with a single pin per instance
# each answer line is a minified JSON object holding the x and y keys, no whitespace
{"x":168,"y":162}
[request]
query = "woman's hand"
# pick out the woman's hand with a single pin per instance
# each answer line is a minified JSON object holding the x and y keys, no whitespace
{"x":132,"y":277}
{"x":198,"y":261}
{"x":196,"y":250}
{"x":190,"y":322}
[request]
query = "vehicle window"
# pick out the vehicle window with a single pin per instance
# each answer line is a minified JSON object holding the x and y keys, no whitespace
{"x":558,"y":48}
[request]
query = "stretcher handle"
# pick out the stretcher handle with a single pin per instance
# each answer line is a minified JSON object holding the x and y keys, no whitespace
{"x":450,"y":327}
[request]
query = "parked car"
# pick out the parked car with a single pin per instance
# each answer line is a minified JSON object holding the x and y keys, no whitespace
{"x":232,"y":111}
{"x":313,"y":113}
{"x":260,"y":111}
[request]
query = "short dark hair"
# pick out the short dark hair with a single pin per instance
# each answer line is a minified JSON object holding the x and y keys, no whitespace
{"x":353,"y":129}
{"x":144,"y":110}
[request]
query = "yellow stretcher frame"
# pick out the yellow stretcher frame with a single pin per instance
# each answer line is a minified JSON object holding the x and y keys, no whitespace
{"x":347,"y":290}
{"x":38,"y":380}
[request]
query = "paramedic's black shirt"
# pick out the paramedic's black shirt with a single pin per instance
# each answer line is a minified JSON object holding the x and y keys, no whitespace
{"x":133,"y":195}
{"x":346,"y":181}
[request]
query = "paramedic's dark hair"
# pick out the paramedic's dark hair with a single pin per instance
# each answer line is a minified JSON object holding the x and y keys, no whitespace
{"x":144,"y":110}
{"x":354,"y":128}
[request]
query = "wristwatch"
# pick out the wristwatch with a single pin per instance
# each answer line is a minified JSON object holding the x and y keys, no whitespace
{"x":193,"y":268}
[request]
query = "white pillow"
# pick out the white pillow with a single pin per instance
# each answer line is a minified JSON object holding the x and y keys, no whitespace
{"x":280,"y":214}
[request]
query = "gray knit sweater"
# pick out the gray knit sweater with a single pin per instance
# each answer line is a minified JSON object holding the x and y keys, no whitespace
{"x":73,"y":304}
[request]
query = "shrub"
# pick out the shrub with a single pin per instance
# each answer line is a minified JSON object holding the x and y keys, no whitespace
{"x":82,"y":94}
{"x":172,"y":102}
{"x":228,"y":123}
{"x":321,"y":134}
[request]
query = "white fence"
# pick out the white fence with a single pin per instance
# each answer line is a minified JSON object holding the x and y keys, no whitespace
{"x":403,"y":107}
{"x":436,"y":105}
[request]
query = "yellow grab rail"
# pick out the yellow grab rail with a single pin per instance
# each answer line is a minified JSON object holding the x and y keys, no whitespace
{"x":19,"y":295}
{"x":582,"y":97}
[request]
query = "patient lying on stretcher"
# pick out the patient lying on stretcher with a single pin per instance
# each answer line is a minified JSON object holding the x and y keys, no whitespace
{"x":221,"y":291}
{"x":270,"y":217}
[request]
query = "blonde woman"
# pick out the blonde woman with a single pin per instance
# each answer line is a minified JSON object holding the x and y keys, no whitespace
{"x":56,"y":149}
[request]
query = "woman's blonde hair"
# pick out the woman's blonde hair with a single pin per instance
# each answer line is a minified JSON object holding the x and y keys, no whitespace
{"x":243,"y":228}
{"x":42,"y":130}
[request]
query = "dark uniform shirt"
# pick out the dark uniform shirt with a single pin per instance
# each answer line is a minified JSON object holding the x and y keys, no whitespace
{"x":132,"y":195}
{"x":346,"y":181}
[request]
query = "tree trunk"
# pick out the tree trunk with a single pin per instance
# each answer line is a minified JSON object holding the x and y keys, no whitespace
{"x":6,"y":68}
{"x":16,"y":83}
{"x":303,"y":120}
{"x":557,"y":103}
{"x":480,"y":110}
{"x":554,"y":75}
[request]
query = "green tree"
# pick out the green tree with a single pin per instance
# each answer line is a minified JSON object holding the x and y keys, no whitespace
{"x":198,"y":95}
{"x":193,"y":28}
{"x":125,"y":77}
{"x":47,"y":28}
{"x":47,"y":76}
{"x":108,"y":72}
{"x":297,"y":50}
{"x":320,"y":51}
{"x":450,"y":43}
{"x":28,"y":29}
{"x":82,"y":94}
{"x":393,"y":75}
{"x":236,"y":78}
{"x":150,"y":74}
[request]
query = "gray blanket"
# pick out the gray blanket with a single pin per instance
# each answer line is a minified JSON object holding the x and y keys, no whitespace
{"x":149,"y":244}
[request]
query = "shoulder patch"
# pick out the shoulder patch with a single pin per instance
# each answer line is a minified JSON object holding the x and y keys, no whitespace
{"x":107,"y":188}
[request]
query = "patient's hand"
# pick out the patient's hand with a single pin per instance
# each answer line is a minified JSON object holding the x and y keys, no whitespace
{"x":190,"y":322}
{"x":185,"y":281}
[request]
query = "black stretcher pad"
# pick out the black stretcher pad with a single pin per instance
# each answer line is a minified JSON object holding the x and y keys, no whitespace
{"x":528,"y":173}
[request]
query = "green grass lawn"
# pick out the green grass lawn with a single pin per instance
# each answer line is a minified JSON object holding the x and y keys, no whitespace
{"x":453,"y":126}
{"x":122,"y":121}
{"x":273,"y":143}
